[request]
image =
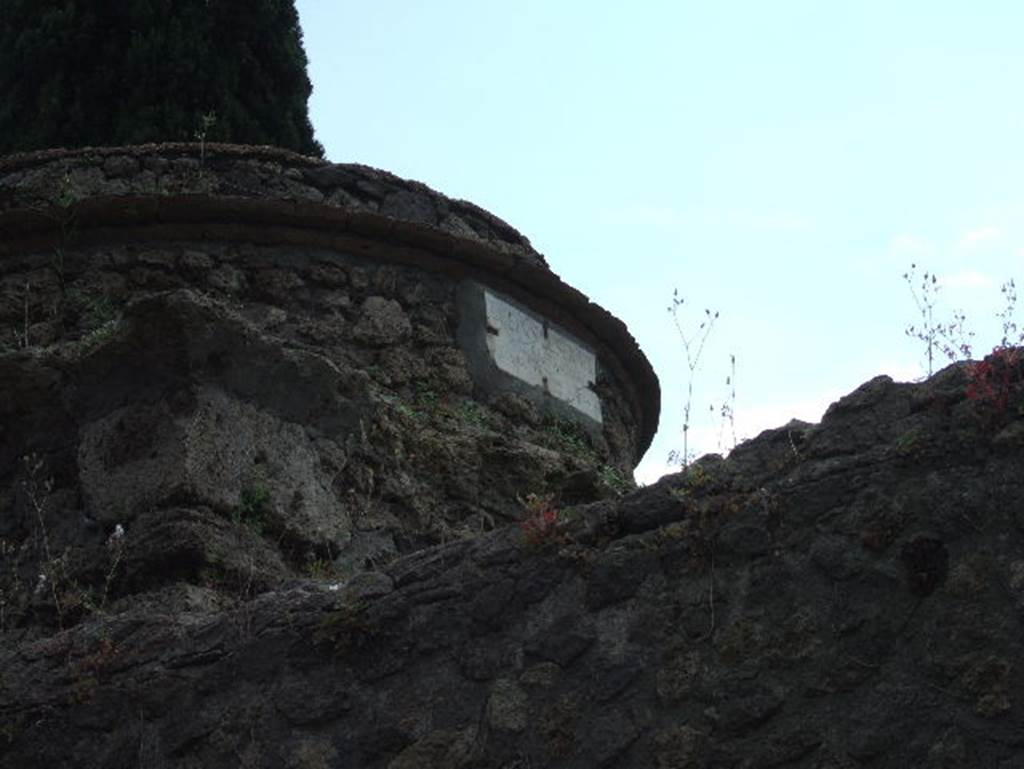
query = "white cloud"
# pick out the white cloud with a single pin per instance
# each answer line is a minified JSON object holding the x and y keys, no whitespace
{"x":910,"y":246}
{"x":782,"y":222}
{"x":980,"y":235}
{"x":967,"y":279}
{"x":642,"y":214}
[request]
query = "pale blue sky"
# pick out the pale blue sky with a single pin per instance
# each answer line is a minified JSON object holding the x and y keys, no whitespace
{"x":782,"y":162}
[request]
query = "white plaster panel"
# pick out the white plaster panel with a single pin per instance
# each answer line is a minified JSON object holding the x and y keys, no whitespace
{"x":542,"y":355}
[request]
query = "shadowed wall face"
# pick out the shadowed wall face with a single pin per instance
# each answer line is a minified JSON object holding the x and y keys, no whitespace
{"x":250,"y":336}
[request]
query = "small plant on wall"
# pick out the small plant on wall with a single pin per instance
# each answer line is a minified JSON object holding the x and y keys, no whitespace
{"x":951,"y":339}
{"x":542,"y":521}
{"x":253,"y":508}
{"x":992,"y":382}
{"x":694,"y":339}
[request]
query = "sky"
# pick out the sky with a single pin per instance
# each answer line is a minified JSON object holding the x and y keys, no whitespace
{"x":782,"y":163}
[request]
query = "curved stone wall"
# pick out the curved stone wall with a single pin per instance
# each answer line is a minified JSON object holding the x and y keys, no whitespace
{"x":49,"y":200}
{"x":354,"y":365}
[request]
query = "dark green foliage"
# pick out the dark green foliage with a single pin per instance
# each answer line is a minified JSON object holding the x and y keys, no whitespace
{"x":77,"y":73}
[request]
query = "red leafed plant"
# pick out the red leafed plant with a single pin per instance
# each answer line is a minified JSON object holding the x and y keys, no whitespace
{"x":994,"y":380}
{"x":542,"y":519}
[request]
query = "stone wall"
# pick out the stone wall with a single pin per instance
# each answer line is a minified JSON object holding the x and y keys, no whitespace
{"x":832,"y":596}
{"x":52,"y":201}
{"x":173,"y":364}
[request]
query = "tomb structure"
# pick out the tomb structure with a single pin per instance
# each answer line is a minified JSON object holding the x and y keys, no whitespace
{"x":370,"y":363}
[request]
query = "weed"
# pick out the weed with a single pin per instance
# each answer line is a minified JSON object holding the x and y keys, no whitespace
{"x":424,"y":395}
{"x":12,"y":586}
{"x":415,"y":407}
{"x":252,"y":509}
{"x":93,"y":667}
{"x":347,"y":629}
{"x":116,"y":548}
{"x":423,"y":403}
{"x":53,"y":574}
{"x":442,"y":531}
{"x":1012,"y":333}
{"x":321,"y":568}
{"x":95,"y":310}
{"x":542,"y":519}
{"x":206,"y":122}
{"x":66,"y":201}
{"x":83,"y":688}
{"x":615,"y":480}
{"x":66,"y":196}
{"x":407,"y":411}
{"x":215,"y":577}
{"x":568,"y":438}
{"x":70,"y":598}
{"x":993,"y":381}
{"x":672,"y":532}
{"x":21,"y":339}
{"x":727,"y":411}
{"x":98,"y":315}
{"x":55,"y":581}
{"x":97,"y":336}
{"x":474,"y":415}
{"x":951,"y":339}
{"x":693,"y":347}
{"x":909,"y":443}
{"x":694,"y":479}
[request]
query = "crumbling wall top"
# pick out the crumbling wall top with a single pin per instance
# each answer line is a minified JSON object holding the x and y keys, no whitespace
{"x":229,"y":170}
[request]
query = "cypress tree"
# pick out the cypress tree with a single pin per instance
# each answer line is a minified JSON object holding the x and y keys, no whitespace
{"x":76,"y":73}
